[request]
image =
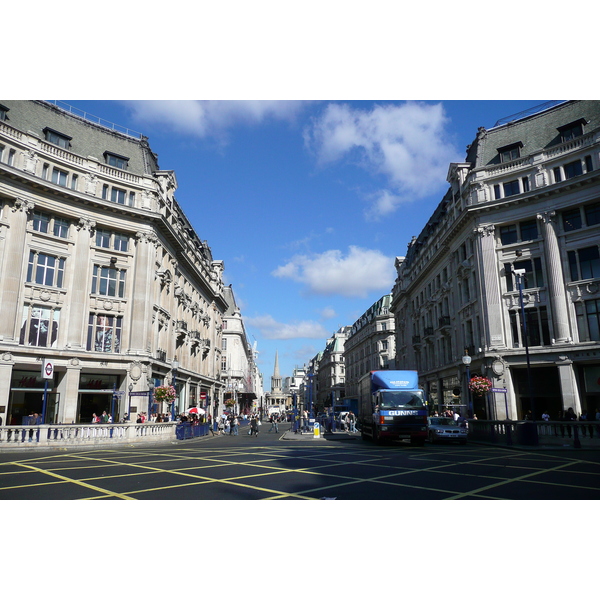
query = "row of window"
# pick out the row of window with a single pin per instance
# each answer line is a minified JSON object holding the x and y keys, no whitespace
{"x":40,"y":328}
{"x":44,"y":223}
{"x":109,"y":192}
{"x":560,"y":173}
{"x":572,"y":219}
{"x":65,"y":179}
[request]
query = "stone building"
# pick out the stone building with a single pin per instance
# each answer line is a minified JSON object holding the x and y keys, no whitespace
{"x":507,"y":269}
{"x":331,"y":372}
{"x":278,"y":399}
{"x":238,"y":365}
{"x":101,"y":274}
{"x":370,"y":345}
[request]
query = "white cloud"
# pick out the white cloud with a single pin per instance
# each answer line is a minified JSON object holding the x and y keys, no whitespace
{"x":273,"y":330}
{"x":357,"y":274}
{"x":328,"y":312}
{"x":212,"y":117}
{"x":406,"y":143}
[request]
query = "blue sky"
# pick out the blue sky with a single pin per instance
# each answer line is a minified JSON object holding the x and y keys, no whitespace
{"x":307,"y":203}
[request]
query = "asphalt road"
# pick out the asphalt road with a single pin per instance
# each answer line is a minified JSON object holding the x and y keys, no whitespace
{"x":283,"y":466}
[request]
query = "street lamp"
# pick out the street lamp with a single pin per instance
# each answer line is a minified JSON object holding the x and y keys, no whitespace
{"x":519,"y":275}
{"x":467,"y":362}
{"x":150,"y":392}
{"x":129,"y":402}
{"x":174,"y":367}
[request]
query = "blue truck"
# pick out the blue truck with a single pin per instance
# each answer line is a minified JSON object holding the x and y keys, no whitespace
{"x":391,"y":406}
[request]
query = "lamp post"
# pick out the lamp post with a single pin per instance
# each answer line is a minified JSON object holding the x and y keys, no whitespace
{"x":174,"y":367}
{"x":129,"y":401}
{"x":467,"y":362}
{"x":150,"y":392}
{"x":519,"y":274}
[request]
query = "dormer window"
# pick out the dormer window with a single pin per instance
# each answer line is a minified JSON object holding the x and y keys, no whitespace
{"x":57,"y":138}
{"x":510,"y":152}
{"x":116,"y":160}
{"x":571,"y":130}
{"x":4,"y":112}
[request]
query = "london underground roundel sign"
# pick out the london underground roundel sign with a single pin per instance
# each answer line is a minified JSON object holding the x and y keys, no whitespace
{"x":48,"y":369}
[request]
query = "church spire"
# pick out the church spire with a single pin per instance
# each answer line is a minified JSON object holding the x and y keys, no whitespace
{"x":276,"y":379}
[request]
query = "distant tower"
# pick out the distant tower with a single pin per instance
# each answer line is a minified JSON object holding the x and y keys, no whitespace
{"x":276,"y":379}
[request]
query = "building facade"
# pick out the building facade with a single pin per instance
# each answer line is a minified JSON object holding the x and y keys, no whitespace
{"x":101,"y":274}
{"x":371,"y":344}
{"x":331,"y":373}
{"x":507,"y":270}
{"x":243,"y":385}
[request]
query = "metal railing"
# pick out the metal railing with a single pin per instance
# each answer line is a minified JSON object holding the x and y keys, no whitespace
{"x":531,"y":433}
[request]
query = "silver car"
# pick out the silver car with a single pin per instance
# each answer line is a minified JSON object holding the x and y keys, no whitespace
{"x":445,"y":429}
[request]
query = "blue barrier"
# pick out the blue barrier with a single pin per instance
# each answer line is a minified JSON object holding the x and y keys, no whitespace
{"x":186,"y":431}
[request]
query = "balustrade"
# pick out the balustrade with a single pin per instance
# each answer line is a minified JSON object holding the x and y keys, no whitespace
{"x":12,"y":436}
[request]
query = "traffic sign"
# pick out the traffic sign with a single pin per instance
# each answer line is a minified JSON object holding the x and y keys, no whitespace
{"x":500,"y":390}
{"x":47,"y":369}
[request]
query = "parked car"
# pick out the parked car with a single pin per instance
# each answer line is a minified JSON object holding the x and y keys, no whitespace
{"x":445,"y":429}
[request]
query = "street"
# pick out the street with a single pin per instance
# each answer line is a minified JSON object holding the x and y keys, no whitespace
{"x":275,"y":466}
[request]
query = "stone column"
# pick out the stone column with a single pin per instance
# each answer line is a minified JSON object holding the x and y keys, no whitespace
{"x":6,"y":367}
{"x":15,"y":251}
{"x":491,"y":301}
{"x":556,"y":287}
{"x":141,"y":293}
{"x":81,"y":286}
{"x":69,"y":393}
{"x":568,"y":385}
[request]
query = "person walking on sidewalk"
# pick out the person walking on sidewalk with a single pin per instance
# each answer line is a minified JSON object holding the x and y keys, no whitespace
{"x":254,"y":425}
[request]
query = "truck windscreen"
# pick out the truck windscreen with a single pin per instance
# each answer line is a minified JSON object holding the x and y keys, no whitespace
{"x":398,"y":399}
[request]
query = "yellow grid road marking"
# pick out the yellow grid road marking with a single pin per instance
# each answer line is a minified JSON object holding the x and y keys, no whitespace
{"x":76,"y":482}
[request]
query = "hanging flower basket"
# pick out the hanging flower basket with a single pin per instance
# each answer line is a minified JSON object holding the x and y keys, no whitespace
{"x":165,"y":393}
{"x":229,"y":403}
{"x":480,"y":386}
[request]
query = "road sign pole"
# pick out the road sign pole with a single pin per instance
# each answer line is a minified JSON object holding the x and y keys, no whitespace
{"x":45,"y":401}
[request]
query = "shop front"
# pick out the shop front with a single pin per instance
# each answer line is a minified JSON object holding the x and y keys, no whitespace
{"x":27,"y":397}
{"x":98,"y":394}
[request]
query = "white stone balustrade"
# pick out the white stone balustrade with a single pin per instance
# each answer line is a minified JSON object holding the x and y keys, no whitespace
{"x":59,"y":436}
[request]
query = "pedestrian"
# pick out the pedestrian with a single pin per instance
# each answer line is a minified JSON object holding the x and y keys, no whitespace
{"x":352,"y":422}
{"x":221,"y":426}
{"x":545,"y":416}
{"x":254,"y":425}
{"x":273,"y":421}
{"x":104,"y":417}
{"x":236,"y":424}
{"x":570,"y":416}
{"x":583,"y":417}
